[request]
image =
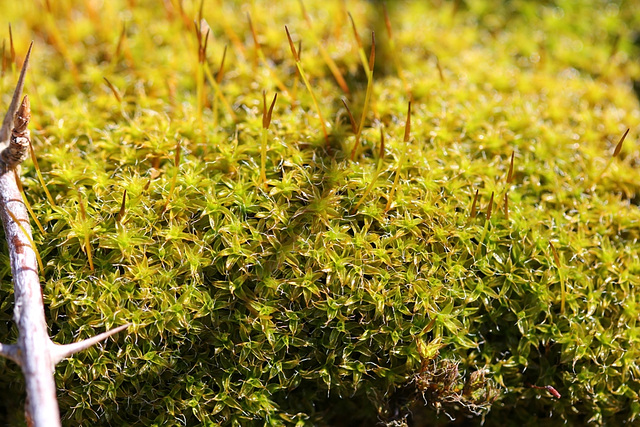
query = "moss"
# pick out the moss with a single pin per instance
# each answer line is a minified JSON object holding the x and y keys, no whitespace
{"x":283,"y":303}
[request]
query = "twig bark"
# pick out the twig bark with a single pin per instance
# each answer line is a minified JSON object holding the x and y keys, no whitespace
{"x":36,"y":354}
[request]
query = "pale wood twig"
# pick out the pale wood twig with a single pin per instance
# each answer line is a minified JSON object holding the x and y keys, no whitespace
{"x":34,"y":352}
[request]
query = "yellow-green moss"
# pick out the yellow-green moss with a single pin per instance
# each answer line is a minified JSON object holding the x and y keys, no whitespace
{"x":283,"y":305}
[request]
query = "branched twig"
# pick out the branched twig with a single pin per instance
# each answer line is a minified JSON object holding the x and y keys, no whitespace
{"x":34,"y":352}
{"x":33,"y":341}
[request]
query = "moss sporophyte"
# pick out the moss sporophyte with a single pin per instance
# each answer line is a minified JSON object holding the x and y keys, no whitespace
{"x":296,"y":242}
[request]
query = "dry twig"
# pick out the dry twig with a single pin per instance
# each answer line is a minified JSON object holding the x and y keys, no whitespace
{"x":36,"y":354}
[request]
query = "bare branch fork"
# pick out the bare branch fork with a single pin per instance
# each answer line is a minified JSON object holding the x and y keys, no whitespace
{"x":36,"y":354}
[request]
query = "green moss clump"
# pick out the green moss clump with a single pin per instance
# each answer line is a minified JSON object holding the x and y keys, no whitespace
{"x":283,"y":304}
